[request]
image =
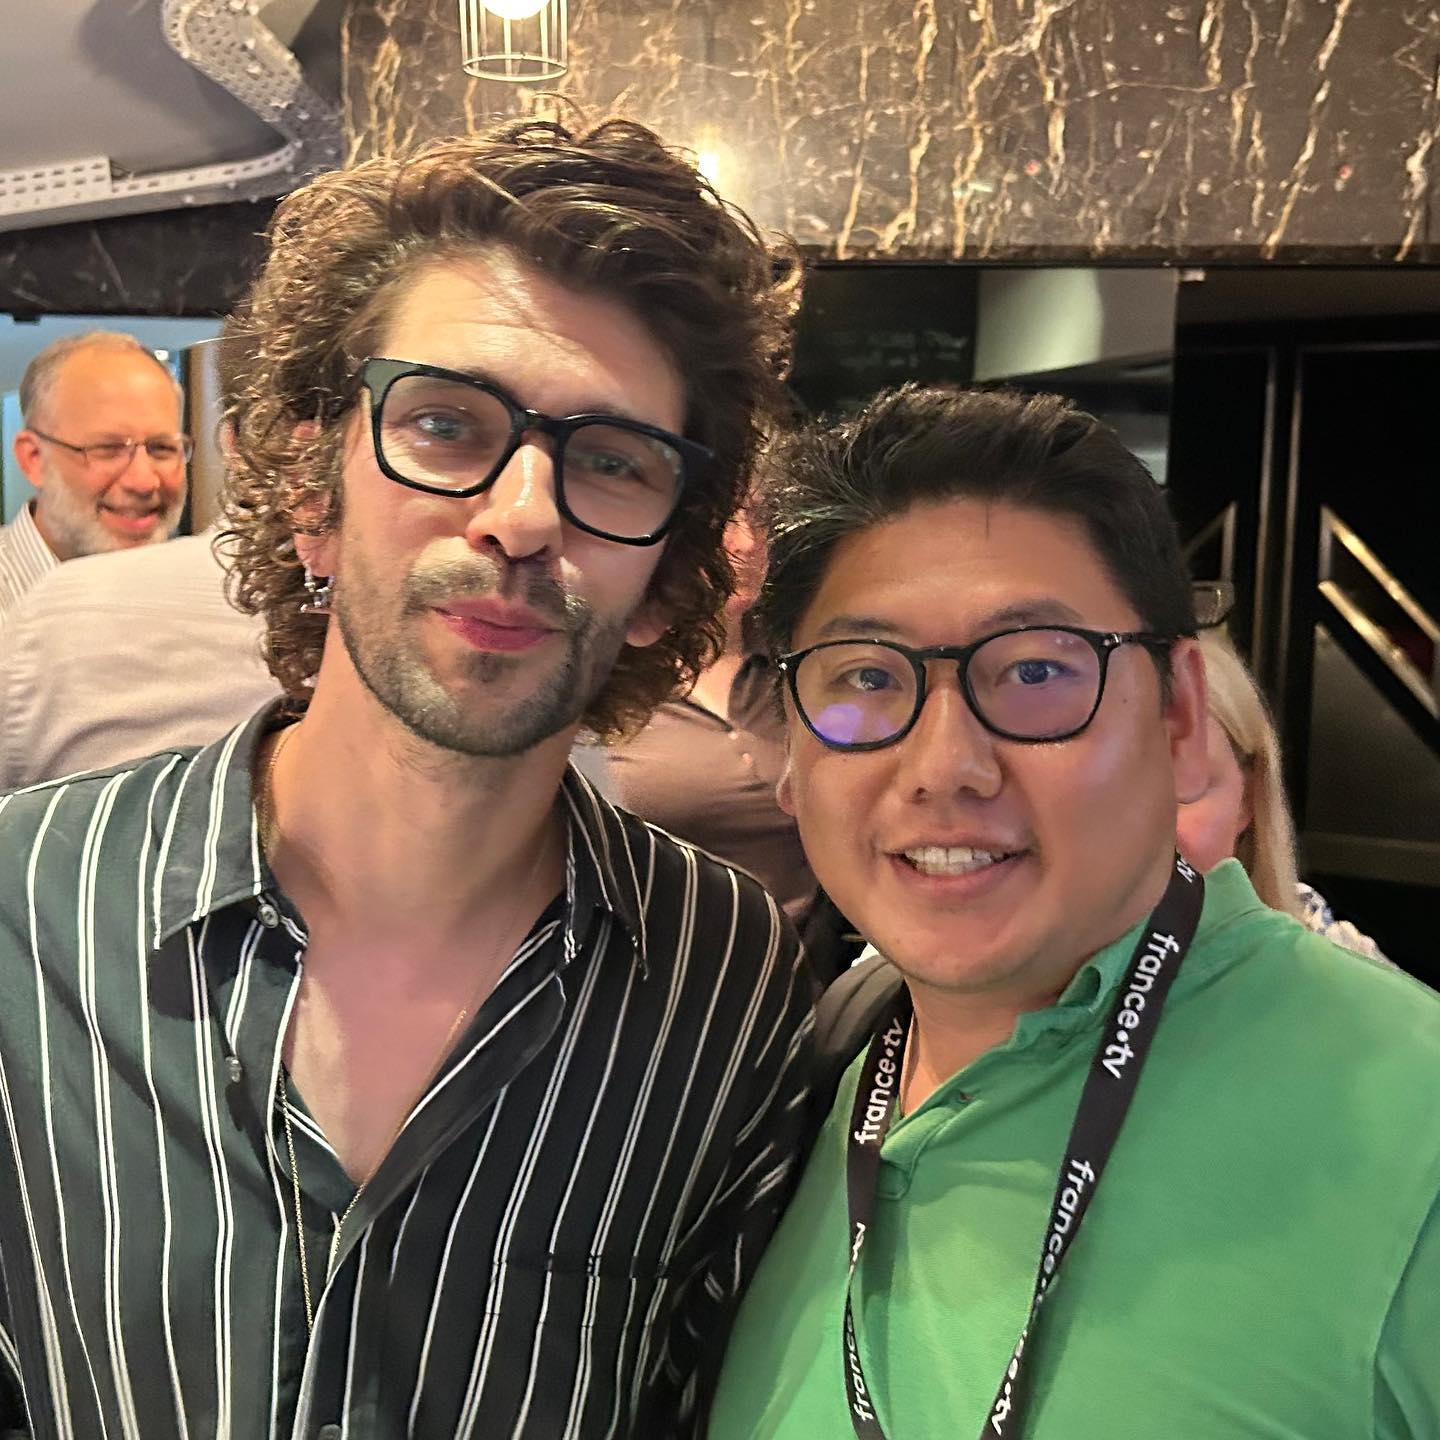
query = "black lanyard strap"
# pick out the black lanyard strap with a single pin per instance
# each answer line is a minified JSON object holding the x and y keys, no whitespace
{"x":1110,"y":1086}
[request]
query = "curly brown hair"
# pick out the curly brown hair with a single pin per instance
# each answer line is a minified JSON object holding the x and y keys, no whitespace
{"x":610,"y":210}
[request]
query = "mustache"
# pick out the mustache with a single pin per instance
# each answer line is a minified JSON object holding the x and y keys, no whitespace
{"x":114,"y":498}
{"x":477,"y":577}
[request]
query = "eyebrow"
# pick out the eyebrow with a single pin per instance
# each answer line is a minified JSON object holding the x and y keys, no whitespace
{"x":114,"y":437}
{"x":855,"y":625}
{"x":1039,"y":611}
{"x":1044,"y":610}
{"x":486,"y":377}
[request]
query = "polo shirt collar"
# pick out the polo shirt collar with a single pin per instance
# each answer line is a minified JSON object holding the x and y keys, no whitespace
{"x":209,"y":848}
{"x":1228,"y":895}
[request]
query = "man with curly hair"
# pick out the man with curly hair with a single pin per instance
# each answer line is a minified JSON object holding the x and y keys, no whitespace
{"x":365,"y":1073}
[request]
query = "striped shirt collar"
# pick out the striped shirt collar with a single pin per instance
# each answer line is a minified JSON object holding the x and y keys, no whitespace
{"x":211,"y":858}
{"x":25,"y":558}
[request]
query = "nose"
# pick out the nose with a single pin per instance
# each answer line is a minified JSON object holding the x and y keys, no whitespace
{"x":141,"y":474}
{"x":949,"y":751}
{"x":518,"y":513}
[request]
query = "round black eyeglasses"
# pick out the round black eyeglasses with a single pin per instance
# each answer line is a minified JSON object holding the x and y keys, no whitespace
{"x":448,"y":433}
{"x":1034,"y":683}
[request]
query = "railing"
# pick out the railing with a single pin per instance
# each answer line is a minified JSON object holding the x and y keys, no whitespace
{"x":1381,"y":626}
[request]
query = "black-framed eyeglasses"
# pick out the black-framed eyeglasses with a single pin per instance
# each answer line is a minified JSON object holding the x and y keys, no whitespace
{"x":447,"y":433}
{"x":164,"y":450}
{"x":1033,"y":683}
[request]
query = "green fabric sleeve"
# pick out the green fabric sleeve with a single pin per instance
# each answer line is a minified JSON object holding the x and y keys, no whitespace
{"x":1407,"y":1360}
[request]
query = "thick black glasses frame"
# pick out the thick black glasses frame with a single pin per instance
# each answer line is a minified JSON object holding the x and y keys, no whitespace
{"x":183,"y":443}
{"x":1103,"y":642}
{"x":378,"y":374}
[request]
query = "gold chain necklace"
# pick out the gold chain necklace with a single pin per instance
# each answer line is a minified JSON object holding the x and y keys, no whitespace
{"x":365,"y":1181}
{"x":265,"y":822}
{"x":265,"y":791}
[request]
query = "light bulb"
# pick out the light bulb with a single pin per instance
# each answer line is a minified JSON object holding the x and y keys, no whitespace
{"x":514,"y":9}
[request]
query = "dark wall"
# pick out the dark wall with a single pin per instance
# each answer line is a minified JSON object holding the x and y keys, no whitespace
{"x":1275,"y":422}
{"x":861,"y":329}
{"x":183,"y":262}
{"x":1193,"y":130}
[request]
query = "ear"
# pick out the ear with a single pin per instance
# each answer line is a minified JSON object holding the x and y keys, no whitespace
{"x":1186,"y":719}
{"x":29,"y":457}
{"x":320,"y":553}
{"x":785,"y":787}
{"x":1247,"y":806}
{"x":647,"y":624}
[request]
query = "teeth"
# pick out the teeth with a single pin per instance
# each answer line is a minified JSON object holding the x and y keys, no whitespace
{"x":951,"y":859}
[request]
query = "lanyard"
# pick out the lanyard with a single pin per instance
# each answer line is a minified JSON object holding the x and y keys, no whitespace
{"x":1110,"y":1086}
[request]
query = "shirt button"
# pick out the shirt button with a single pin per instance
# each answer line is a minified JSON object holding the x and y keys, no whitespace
{"x":269,"y":918}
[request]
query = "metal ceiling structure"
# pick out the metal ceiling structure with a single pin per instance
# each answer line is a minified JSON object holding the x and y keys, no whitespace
{"x":114,"y":107}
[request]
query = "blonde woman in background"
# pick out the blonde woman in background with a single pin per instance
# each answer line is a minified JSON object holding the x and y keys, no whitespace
{"x":1243,"y":811}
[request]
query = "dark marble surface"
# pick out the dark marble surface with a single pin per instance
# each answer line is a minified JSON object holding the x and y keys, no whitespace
{"x":181,"y":262}
{"x":1192,"y":131}
{"x":1187,"y":130}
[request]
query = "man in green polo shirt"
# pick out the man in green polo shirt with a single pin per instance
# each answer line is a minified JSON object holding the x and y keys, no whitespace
{"x":994,"y":706}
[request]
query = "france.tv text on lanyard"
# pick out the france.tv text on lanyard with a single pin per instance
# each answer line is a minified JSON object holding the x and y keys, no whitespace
{"x":1110,"y":1086}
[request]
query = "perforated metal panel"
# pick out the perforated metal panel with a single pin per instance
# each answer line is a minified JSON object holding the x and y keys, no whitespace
{"x":226,"y":42}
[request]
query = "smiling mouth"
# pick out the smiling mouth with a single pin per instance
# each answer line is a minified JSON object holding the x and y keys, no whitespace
{"x":131,"y":514}
{"x":954,"y":859}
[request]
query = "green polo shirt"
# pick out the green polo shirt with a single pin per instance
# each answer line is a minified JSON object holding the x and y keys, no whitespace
{"x":1262,"y":1257}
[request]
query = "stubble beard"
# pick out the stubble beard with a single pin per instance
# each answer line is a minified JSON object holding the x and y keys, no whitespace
{"x":392,"y":666}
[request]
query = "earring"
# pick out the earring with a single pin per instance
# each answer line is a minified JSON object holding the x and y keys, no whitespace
{"x":319,"y":590}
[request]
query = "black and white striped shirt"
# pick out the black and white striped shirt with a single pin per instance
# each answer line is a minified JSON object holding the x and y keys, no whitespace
{"x":551,"y":1248}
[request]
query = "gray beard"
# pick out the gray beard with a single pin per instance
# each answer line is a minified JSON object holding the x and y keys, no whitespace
{"x":77,"y":530}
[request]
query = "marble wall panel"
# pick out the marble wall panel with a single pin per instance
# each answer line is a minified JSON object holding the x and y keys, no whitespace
{"x":181,"y":262}
{"x":1187,"y":130}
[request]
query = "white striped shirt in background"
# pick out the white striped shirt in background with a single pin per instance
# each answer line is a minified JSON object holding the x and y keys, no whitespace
{"x":551,"y":1249}
{"x":117,"y":655}
{"x":24,"y":559}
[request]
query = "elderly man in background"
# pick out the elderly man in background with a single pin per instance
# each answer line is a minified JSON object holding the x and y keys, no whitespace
{"x":102,"y":445}
{"x":124,"y":653}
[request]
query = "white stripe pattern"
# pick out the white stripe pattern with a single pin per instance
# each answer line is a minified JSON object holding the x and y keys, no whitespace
{"x":25,"y":558}
{"x":559,"y":1233}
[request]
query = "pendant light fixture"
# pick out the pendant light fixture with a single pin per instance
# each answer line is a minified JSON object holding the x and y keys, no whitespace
{"x":515,"y":40}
